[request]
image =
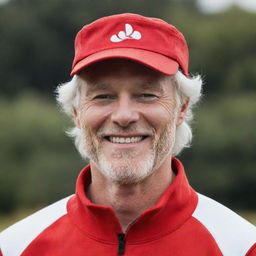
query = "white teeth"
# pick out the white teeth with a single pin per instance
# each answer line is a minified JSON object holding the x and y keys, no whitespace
{"x":125,"y":140}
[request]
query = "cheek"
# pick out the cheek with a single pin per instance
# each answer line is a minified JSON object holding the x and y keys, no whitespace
{"x":93,"y":117}
{"x":160,"y":115}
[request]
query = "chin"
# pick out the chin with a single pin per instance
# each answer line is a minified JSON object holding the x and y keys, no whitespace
{"x":126,"y":170}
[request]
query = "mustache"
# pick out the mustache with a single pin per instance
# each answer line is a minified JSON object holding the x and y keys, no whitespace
{"x":134,"y":129}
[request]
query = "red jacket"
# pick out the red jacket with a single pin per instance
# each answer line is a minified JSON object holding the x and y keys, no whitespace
{"x":182,"y":223}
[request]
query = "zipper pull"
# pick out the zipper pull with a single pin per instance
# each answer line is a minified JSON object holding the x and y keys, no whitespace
{"x":121,"y":243}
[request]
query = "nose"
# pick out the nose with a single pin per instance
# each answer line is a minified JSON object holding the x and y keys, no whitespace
{"x":125,"y":112}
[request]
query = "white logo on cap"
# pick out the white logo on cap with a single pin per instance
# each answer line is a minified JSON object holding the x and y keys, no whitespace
{"x":128,"y":34}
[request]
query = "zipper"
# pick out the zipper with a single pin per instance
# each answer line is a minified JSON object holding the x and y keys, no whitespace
{"x":121,"y":239}
{"x":121,"y":243}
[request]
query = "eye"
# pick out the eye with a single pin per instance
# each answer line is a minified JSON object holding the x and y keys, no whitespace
{"x":103,"y":96}
{"x":148,"y":96}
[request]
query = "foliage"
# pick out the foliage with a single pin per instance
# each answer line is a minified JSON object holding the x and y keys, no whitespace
{"x":223,"y":153}
{"x":38,"y":37}
{"x":38,"y":163}
{"x":38,"y":157}
{"x":36,"y":53}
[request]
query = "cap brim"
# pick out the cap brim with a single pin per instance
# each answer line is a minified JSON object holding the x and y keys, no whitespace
{"x":153,"y":60}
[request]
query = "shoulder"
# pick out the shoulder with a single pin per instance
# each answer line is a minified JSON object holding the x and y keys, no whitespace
{"x":17,"y":237}
{"x":233,"y":234}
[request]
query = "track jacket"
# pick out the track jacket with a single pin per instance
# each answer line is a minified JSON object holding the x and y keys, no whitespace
{"x":182,"y":223}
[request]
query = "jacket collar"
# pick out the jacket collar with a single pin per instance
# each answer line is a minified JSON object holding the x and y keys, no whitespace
{"x":174,"y":207}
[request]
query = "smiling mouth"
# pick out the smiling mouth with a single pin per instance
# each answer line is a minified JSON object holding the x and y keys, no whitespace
{"x":125,"y":140}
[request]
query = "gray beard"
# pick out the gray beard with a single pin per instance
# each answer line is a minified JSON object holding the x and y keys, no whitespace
{"x":122,"y":169}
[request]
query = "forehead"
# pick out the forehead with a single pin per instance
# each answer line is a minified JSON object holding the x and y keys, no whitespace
{"x":106,"y":73}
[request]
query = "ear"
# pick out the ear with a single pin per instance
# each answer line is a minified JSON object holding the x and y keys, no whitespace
{"x":182,"y":112}
{"x":76,"y":117}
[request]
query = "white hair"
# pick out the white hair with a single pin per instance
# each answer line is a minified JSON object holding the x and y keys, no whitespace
{"x":68,"y":97}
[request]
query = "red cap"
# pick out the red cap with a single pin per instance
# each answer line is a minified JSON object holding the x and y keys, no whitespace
{"x":149,"y":41}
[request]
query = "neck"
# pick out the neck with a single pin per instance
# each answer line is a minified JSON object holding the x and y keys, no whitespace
{"x":129,"y":201}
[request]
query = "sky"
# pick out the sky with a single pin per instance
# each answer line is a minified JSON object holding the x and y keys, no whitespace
{"x":3,"y":1}
{"x":213,"y":6}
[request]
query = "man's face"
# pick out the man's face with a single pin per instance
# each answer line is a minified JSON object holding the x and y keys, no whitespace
{"x":128,"y":118}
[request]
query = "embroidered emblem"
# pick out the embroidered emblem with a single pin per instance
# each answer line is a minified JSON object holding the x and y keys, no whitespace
{"x":129,"y":33}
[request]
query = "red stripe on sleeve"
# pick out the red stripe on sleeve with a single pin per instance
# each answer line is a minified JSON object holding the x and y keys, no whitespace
{"x":252,"y":251}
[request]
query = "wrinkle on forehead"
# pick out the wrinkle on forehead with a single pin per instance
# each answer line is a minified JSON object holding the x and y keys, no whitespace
{"x":101,"y":75}
{"x":152,"y":86}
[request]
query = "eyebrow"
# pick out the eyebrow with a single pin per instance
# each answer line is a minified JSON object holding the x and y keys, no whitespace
{"x":94,"y":87}
{"x":152,"y":85}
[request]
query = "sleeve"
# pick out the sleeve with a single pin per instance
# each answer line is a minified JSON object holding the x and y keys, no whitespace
{"x":252,"y":251}
{"x":1,"y":252}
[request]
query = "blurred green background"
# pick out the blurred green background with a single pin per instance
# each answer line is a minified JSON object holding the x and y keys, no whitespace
{"x":39,"y":164}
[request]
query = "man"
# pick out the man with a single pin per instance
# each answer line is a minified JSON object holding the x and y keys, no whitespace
{"x":130,"y":99}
